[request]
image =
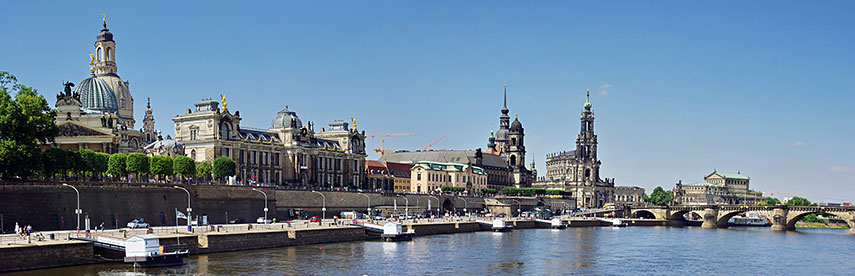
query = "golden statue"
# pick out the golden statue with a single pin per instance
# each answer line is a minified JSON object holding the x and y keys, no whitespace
{"x":223,"y":99}
{"x":353,"y":122}
{"x":105,"y":17}
{"x":91,"y":62}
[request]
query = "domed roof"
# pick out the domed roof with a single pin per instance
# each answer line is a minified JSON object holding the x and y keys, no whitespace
{"x":516,"y":126}
{"x":502,"y":134}
{"x":105,"y":34}
{"x":96,"y":95}
{"x":286,"y":118}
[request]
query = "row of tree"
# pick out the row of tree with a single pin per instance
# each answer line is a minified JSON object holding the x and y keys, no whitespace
{"x":87,"y":163}
{"x":25,"y":121}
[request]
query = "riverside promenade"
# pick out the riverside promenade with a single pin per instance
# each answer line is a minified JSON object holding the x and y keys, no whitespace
{"x":59,"y":248}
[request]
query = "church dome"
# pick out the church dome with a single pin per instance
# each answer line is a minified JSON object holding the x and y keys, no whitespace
{"x":96,"y":95}
{"x":286,"y":118}
{"x":516,"y":126}
{"x":502,"y":134}
{"x":105,"y":34}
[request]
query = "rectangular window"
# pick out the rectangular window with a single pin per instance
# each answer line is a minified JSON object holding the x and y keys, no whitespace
{"x":419,"y":177}
{"x":225,"y":152}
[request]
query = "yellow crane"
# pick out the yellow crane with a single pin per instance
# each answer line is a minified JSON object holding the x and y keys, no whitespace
{"x":382,"y":150}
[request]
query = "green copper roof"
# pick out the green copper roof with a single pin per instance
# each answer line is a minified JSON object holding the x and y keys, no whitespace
{"x":703,"y":184}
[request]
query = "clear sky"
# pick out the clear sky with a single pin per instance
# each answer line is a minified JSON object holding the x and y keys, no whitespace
{"x":678,"y":88}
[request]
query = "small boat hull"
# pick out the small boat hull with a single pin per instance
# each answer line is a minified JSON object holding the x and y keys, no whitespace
{"x":168,"y":259}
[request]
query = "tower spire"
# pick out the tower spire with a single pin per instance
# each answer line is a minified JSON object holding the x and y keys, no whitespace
{"x":506,"y":95}
{"x":105,"y":19}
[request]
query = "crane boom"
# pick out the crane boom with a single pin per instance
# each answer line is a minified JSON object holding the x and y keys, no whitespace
{"x":434,"y":142}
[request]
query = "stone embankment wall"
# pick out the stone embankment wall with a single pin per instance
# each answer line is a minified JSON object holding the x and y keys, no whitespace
{"x":222,"y":242}
{"x":15,"y":258}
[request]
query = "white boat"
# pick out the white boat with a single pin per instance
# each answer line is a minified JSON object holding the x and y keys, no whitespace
{"x":749,"y":219}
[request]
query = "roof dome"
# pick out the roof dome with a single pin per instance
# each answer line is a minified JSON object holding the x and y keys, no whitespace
{"x":286,"y":118}
{"x":502,"y":134}
{"x":516,"y":126}
{"x":96,"y":95}
{"x":105,"y":34}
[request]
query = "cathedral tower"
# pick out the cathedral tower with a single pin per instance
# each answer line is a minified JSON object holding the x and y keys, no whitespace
{"x":586,"y":144}
{"x":106,"y":70}
{"x":504,"y":123}
{"x":148,"y":124}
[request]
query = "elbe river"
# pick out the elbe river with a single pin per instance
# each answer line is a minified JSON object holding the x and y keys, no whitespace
{"x":576,"y":251}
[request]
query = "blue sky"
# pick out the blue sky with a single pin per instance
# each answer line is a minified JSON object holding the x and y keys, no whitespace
{"x":678,"y":88}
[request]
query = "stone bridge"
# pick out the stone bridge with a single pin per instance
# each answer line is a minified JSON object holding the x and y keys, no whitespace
{"x":783,"y":217}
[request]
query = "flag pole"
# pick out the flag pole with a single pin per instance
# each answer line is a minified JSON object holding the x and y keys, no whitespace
{"x":177,"y":236}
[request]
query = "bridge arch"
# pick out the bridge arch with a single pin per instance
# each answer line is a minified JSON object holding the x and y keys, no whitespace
{"x":643,"y":214}
{"x":447,"y":205}
{"x":723,"y":219}
{"x":679,"y":215}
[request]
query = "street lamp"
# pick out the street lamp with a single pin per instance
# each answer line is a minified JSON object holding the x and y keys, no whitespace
{"x":464,"y":205}
{"x":406,"y":207}
{"x":369,"y":203}
{"x":77,"y":211}
{"x":324,"y":208}
{"x":437,"y":204}
{"x":265,"y":203}
{"x":188,"y":207}
{"x":519,"y":206}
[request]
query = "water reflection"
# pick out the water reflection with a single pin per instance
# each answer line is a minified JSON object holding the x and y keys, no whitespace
{"x":587,"y":251}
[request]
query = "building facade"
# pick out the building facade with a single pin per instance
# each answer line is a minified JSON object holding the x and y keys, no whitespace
{"x":498,"y":172}
{"x":718,"y":188}
{"x":578,"y":171}
{"x":427,"y":177}
{"x":626,"y":195}
{"x":99,"y":113}
{"x":288,"y":153}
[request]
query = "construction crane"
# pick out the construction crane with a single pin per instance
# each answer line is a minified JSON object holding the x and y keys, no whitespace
{"x":382,"y":150}
{"x":388,"y":134}
{"x":434,"y":142}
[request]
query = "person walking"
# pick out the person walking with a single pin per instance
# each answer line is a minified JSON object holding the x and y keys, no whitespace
{"x":17,"y":229}
{"x":29,"y":229}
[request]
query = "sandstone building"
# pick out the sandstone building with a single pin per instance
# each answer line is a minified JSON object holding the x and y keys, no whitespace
{"x":718,"y":188}
{"x":289,"y":152}
{"x":428,"y":176}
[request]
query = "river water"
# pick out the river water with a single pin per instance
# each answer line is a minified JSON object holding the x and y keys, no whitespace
{"x":579,"y":251}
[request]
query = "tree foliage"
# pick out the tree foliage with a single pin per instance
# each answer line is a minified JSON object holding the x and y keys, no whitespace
{"x":204,"y":169}
{"x":137,"y":163}
{"x":452,"y":189}
{"x":660,"y":197}
{"x":116,"y":165}
{"x":798,"y":201}
{"x":224,"y":166}
{"x":25,"y":121}
{"x":54,"y":161}
{"x":99,"y":165}
{"x":161,"y":165}
{"x":488,"y":191}
{"x":770,"y":201}
{"x":184,"y":166}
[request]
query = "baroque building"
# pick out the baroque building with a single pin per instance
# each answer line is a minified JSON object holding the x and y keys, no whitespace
{"x":289,"y":152}
{"x":578,"y":171}
{"x":509,"y":142}
{"x":426,"y":176}
{"x":496,"y":166}
{"x":99,"y":113}
{"x":718,"y":188}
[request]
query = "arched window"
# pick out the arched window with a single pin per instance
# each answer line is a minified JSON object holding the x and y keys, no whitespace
{"x":587,"y":172}
{"x":193,"y":154}
{"x":513,"y":160}
{"x":224,"y":131}
{"x":98,"y":56}
{"x":109,"y":57}
{"x":514,"y":141}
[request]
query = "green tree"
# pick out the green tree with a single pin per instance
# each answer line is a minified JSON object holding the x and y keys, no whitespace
{"x":204,"y":170}
{"x":161,"y":165}
{"x":89,"y":160}
{"x":660,"y":197}
{"x":184,"y":166}
{"x":99,"y":165}
{"x":25,"y":121}
{"x":138,"y":164}
{"x":116,"y":165}
{"x":77,"y":164}
{"x":53,"y":161}
{"x":224,"y":166}
{"x":770,"y":201}
{"x":798,"y":201}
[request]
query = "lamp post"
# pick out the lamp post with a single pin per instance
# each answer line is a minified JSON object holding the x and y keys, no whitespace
{"x":324,"y":208}
{"x":189,"y":217}
{"x":464,"y":205}
{"x":265,"y":203}
{"x":519,"y":206}
{"x":437,"y":204}
{"x":369,"y":203}
{"x":77,"y":211}
{"x":406,"y":207}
